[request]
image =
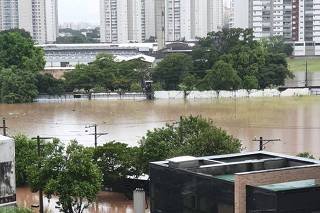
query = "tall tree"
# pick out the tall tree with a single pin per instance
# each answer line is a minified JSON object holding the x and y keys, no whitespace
{"x":172,"y":69}
{"x":20,"y":62}
{"x":68,"y":173}
{"x":223,"y":77}
{"x":191,"y":135}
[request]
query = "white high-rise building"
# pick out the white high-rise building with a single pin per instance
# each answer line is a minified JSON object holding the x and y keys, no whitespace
{"x":297,"y":21}
{"x":52,"y":20}
{"x":38,"y":17}
{"x":9,"y":14}
{"x":190,"y":19}
{"x":125,"y":20}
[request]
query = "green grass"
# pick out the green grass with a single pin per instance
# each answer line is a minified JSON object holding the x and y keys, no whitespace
{"x":14,"y":210}
{"x":299,"y":64}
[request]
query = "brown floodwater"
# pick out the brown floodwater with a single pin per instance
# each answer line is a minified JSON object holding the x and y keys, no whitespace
{"x":107,"y":202}
{"x":295,"y":120}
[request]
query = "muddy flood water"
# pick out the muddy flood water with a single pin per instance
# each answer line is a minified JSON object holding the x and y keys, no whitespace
{"x":294,"y":120}
{"x":106,"y":202}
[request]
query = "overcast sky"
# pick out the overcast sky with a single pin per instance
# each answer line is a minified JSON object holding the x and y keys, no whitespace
{"x":78,"y":11}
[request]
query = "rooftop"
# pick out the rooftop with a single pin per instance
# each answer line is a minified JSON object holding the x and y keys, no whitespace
{"x":292,"y":185}
{"x":225,"y":167}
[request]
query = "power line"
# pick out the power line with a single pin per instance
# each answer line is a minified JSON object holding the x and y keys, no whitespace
{"x":4,"y":127}
{"x":263,"y":142}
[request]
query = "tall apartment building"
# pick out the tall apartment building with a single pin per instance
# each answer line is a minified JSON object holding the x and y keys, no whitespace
{"x":125,"y":20}
{"x":189,"y":19}
{"x":38,"y":17}
{"x":167,"y":20}
{"x":9,"y":14}
{"x":298,"y":21}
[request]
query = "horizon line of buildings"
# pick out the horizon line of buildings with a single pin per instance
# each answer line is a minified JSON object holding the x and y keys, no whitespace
{"x":127,"y":21}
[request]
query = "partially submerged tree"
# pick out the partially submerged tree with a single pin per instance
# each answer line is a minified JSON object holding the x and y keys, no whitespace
{"x":68,"y":173}
{"x":191,"y":135}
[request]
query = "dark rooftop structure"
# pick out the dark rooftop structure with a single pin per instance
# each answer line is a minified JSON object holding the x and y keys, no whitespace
{"x":245,"y":182}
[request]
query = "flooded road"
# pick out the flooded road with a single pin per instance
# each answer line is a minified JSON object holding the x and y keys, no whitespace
{"x":106,"y":202}
{"x":295,"y":120}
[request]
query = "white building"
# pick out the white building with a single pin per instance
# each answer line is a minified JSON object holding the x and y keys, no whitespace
{"x":298,"y":21}
{"x":190,"y":19}
{"x":125,"y":21}
{"x":52,"y":20}
{"x":38,"y":17}
{"x":9,"y":14}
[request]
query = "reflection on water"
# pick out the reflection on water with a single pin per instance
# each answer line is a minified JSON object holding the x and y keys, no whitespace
{"x":294,"y":120}
{"x":106,"y":202}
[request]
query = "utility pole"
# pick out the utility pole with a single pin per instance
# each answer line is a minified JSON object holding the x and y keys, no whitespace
{"x":4,"y":127}
{"x":263,"y":142}
{"x":38,"y":138}
{"x":96,"y":133}
{"x":306,"y":77}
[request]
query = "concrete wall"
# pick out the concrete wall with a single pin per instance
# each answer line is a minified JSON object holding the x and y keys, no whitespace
{"x":231,"y":94}
{"x":270,"y":177}
{"x":7,"y":171}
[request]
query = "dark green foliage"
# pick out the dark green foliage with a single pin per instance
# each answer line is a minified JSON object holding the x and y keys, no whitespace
{"x":250,"y":82}
{"x":47,"y":84}
{"x":116,"y":161}
{"x":306,"y":155}
{"x":223,"y":77}
{"x":194,"y":136}
{"x":277,"y":44}
{"x":106,"y":73}
{"x":68,"y":173}
{"x":171,"y":71}
{"x":258,"y":64}
{"x":20,"y":62}
{"x":26,"y":155}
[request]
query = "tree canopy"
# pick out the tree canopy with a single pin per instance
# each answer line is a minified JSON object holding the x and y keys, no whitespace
{"x":191,"y":135}
{"x":68,"y":173}
{"x":226,"y":60}
{"x":20,"y":62}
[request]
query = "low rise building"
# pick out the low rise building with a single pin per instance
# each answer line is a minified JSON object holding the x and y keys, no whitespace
{"x":236,"y":183}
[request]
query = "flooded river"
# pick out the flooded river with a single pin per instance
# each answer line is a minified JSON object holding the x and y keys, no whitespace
{"x":295,"y":120}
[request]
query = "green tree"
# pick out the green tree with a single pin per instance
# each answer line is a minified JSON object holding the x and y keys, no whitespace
{"x":68,"y":173}
{"x":223,"y":77}
{"x":26,"y":155}
{"x":116,"y":161}
{"x":20,"y":62}
{"x":277,"y":44}
{"x":47,"y":84}
{"x":306,"y":155}
{"x":172,"y":70}
{"x":194,"y":136}
{"x":250,"y":82}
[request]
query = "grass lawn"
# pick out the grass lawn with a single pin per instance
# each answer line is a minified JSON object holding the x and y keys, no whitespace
{"x":299,"y":64}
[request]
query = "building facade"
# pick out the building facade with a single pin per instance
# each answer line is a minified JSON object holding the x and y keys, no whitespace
{"x":9,"y":14}
{"x":124,"y":21}
{"x":236,"y":183}
{"x":166,"y":20}
{"x":38,"y":17}
{"x":297,"y":21}
{"x":191,"y":19}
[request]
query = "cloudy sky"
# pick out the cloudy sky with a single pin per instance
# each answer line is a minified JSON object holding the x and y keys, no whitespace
{"x":79,"y":11}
